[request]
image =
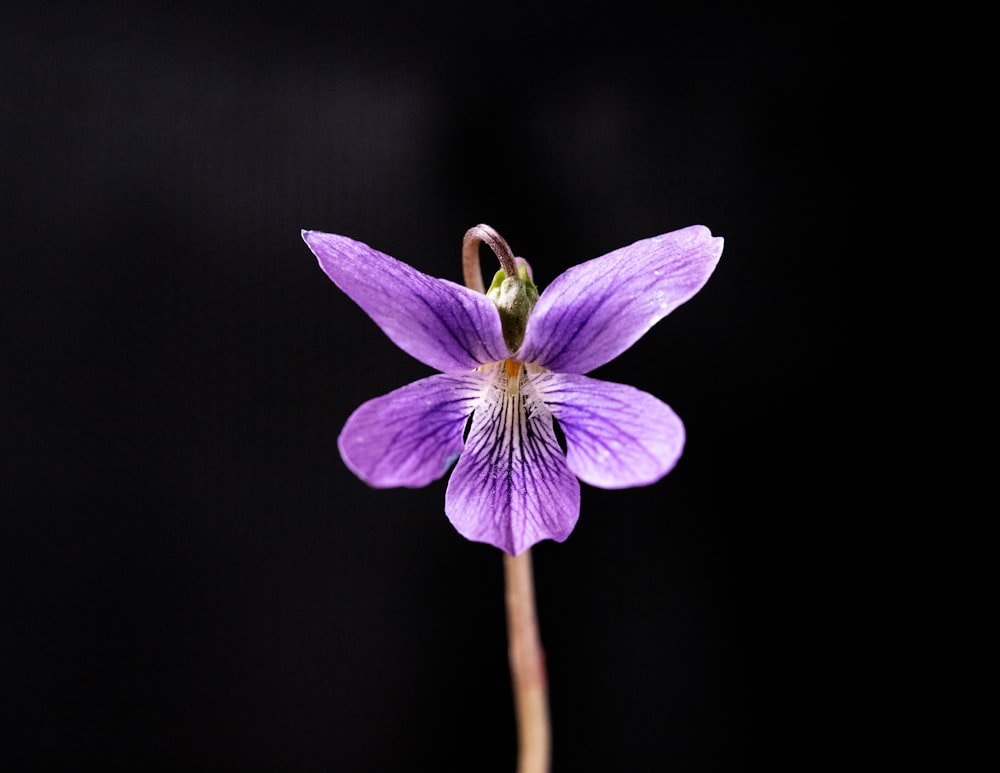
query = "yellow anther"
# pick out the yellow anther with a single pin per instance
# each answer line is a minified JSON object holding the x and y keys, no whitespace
{"x":513,"y":376}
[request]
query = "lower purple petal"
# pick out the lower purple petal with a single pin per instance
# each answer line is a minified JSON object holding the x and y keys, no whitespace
{"x":411,"y":436}
{"x":511,"y":487}
{"x":617,"y":436}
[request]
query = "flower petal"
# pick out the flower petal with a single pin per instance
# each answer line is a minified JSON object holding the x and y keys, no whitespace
{"x":511,"y":487}
{"x":617,"y":436}
{"x":411,"y":436}
{"x":440,"y":323}
{"x":595,"y":311}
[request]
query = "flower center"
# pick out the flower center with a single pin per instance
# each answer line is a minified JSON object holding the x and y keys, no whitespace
{"x":513,"y":376}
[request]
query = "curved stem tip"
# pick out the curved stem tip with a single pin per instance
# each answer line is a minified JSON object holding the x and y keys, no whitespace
{"x":470,"y":255}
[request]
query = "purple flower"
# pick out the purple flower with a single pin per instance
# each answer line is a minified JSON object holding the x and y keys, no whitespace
{"x":513,"y":485}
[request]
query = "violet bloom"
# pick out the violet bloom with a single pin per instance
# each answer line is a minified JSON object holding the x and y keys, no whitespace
{"x":513,"y":485}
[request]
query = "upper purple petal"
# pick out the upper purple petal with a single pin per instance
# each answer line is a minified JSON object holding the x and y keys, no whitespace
{"x":411,"y":436}
{"x":594,"y":311}
{"x":511,"y":487}
{"x":617,"y":436}
{"x":440,"y":323}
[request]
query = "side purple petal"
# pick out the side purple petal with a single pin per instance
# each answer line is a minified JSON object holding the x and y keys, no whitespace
{"x":617,"y":436}
{"x":440,"y":323}
{"x":511,"y":487}
{"x":411,"y":436}
{"x":595,"y":311}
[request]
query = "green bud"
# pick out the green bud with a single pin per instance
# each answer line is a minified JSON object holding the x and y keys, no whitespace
{"x":514,"y":297}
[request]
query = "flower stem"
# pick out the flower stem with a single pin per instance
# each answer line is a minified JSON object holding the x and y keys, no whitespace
{"x":470,"y":255}
{"x":524,"y":646}
{"x":527,"y":666}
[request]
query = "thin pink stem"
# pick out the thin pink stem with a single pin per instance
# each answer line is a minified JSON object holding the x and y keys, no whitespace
{"x":527,"y":666}
{"x":524,"y":646}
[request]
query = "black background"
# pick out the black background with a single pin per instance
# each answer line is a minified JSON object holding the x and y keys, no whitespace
{"x":194,"y":581}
